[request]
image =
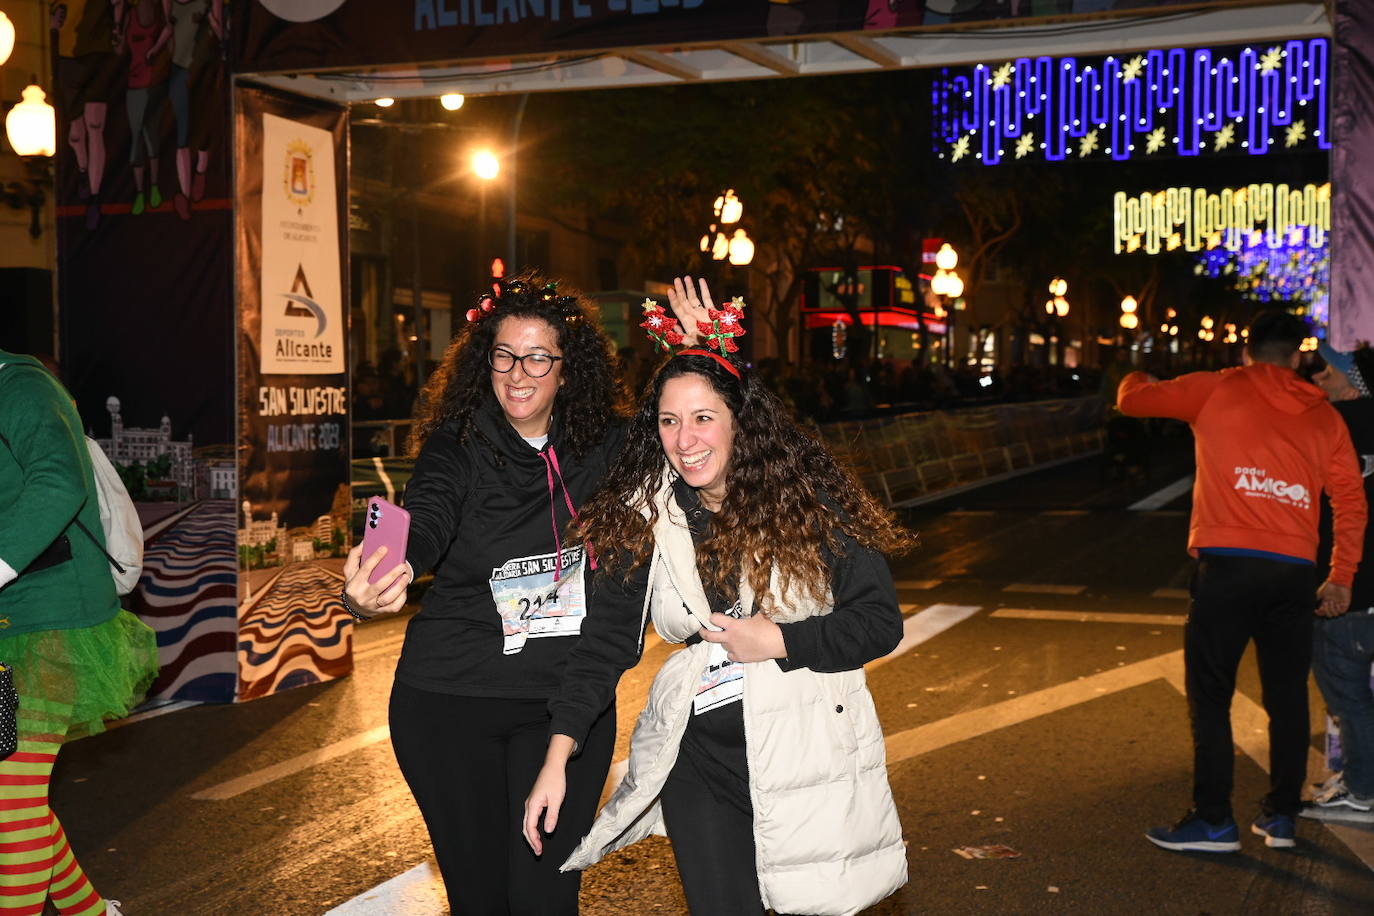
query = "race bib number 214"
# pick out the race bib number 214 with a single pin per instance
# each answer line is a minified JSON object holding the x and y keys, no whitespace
{"x":532,"y":605}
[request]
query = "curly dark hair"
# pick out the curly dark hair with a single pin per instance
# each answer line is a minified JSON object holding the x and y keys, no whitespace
{"x":786,"y":495}
{"x":591,"y":394}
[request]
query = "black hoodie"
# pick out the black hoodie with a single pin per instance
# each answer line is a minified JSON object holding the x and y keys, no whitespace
{"x":488,"y":515}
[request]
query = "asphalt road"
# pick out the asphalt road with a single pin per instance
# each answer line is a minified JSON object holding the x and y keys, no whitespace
{"x":1036,"y":705}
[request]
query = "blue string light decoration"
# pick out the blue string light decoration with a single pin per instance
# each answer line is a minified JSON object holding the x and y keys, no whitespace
{"x":1286,"y":269}
{"x":1191,"y":101}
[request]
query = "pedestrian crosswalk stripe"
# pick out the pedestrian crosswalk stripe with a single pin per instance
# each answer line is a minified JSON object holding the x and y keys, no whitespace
{"x":258,"y":778}
{"x":975,"y":723}
{"x":1161,"y":498}
{"x":417,"y":892}
{"x":1018,"y":613}
{"x":1037,"y":588}
{"x":925,"y":625}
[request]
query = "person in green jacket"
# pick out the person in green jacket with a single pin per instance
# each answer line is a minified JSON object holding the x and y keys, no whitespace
{"x":77,"y":658}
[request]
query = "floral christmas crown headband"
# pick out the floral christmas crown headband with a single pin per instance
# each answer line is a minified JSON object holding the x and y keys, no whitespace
{"x":489,"y":302}
{"x":717,"y":334}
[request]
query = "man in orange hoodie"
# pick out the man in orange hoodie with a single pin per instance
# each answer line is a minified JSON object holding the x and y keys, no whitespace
{"x":1267,"y":445}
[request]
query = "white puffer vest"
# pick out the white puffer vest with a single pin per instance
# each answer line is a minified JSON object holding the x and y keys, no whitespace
{"x":826,"y":835}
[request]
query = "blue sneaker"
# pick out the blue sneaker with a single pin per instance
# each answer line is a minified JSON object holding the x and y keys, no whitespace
{"x":1193,"y":834}
{"x":1277,"y":829}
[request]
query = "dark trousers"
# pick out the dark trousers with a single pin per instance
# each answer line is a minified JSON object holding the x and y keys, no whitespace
{"x":470,"y":762}
{"x":1235,"y":600}
{"x":713,"y":843}
{"x":1342,"y":651}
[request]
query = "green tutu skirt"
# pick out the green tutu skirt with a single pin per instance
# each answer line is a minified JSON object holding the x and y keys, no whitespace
{"x":100,"y":672}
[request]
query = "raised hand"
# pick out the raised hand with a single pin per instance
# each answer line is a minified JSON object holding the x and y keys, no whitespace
{"x":690,"y":302}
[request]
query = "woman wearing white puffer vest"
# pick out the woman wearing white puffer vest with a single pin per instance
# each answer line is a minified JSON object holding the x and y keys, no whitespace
{"x":759,"y":749}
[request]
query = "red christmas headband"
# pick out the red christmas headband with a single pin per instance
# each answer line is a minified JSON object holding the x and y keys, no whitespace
{"x":718,"y":334}
{"x":696,"y":351}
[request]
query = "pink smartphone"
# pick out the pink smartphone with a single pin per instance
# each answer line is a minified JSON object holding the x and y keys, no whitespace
{"x":387,"y":525}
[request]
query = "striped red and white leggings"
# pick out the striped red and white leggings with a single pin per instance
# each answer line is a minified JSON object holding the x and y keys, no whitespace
{"x":36,"y":861}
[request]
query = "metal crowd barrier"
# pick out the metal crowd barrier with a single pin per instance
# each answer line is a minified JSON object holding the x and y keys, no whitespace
{"x":904,"y":459}
{"x":901,"y":459}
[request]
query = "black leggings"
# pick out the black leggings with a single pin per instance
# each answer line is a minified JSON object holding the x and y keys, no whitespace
{"x":713,"y":843}
{"x":470,"y":762}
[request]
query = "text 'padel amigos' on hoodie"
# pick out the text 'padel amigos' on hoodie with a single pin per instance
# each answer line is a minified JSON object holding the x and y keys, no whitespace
{"x":1267,"y":445}
{"x":489,"y":515}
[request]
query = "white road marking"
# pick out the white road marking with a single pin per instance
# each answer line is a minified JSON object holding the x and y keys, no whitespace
{"x":1036,"y":588}
{"x":259,"y":778}
{"x":1019,"y":613}
{"x":1249,"y":724}
{"x":1161,"y":498}
{"x":925,"y":625}
{"x":978,"y":722}
{"x":924,"y":585}
{"x":418,"y":892}
{"x":1171,"y":593}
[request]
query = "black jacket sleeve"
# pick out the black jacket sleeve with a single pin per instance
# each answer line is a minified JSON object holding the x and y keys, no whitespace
{"x":611,"y":642}
{"x":434,"y":498}
{"x":865,"y":624}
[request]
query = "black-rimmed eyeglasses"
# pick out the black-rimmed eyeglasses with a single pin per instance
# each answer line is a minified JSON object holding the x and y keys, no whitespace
{"x":534,"y":365}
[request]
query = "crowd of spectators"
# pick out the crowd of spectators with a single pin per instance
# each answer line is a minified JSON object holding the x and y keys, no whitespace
{"x":845,"y":391}
{"x":819,"y":392}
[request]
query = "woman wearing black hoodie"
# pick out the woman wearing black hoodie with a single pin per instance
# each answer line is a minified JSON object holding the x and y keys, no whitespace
{"x":516,"y":430}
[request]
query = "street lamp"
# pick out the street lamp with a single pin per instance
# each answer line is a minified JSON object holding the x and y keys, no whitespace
{"x":6,"y":38}
{"x":728,"y":208}
{"x":1058,"y":305}
{"x":950,"y":285}
{"x":741,"y":249}
{"x":32,"y":125}
{"x":1129,"y":319}
{"x":946,"y":282}
{"x":738,"y":248}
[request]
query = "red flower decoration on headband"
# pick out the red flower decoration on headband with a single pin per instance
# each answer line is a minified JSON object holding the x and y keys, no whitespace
{"x":720,"y":332}
{"x":662,"y":329}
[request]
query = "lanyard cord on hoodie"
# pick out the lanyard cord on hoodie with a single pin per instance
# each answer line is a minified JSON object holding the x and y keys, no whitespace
{"x":551,"y":469}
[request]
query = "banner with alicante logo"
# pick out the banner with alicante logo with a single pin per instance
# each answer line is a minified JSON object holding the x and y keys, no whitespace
{"x":292,"y":525}
{"x":302,"y":315}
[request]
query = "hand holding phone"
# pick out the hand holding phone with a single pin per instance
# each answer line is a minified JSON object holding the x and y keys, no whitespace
{"x":387,"y":525}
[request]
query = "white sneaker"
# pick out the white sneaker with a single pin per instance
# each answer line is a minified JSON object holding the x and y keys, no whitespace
{"x":112,"y":908}
{"x":1336,"y":803}
{"x":1341,"y":797}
